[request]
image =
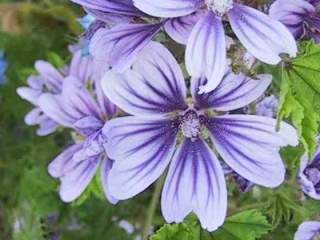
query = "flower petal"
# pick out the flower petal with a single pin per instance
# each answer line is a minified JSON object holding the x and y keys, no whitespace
{"x":51,"y":76}
{"x":75,"y":181}
{"x":122,"y":7}
{"x":81,"y":67}
{"x":206,"y":51}
{"x":142,"y":149}
{"x":120,"y":46}
{"x":55,"y":108}
{"x":195,"y":182}
{"x":63,"y":162}
{"x":234,"y":92}
{"x":29,"y":94}
{"x":154,"y":87}
{"x":179,"y":29}
{"x":250,"y":146}
{"x":106,"y":166}
{"x":307,"y":230}
{"x":260,"y":34}
{"x":291,"y":14}
{"x":168,"y":8}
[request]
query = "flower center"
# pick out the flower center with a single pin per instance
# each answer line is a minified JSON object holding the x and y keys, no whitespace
{"x":219,"y":7}
{"x":313,"y":175}
{"x":190,"y":124}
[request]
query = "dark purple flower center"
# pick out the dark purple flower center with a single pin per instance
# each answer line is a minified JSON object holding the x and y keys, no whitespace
{"x":219,"y":7}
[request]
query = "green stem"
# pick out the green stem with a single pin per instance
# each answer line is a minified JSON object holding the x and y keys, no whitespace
{"x":153,"y":207}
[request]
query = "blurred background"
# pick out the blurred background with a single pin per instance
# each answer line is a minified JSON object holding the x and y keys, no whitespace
{"x":30,"y":208}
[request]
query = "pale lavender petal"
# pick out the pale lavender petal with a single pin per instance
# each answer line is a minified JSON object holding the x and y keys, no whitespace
{"x":268,"y":106}
{"x":154,"y":87}
{"x":110,"y":19}
{"x":106,"y":166}
{"x":120,"y":46}
{"x":32,"y":117}
{"x":46,"y":127}
{"x":75,"y":181}
{"x":264,"y":37}
{"x":36,"y":82}
{"x":122,"y":7}
{"x":168,"y":8}
{"x":206,"y":51}
{"x":63,"y":163}
{"x":195,"y":182}
{"x":179,"y":29}
{"x":308,"y":230}
{"x":88,"y":125}
{"x":81,"y":67}
{"x":29,"y":94}
{"x":234,"y":92}
{"x":79,"y":99}
{"x":56,"y":108}
{"x":51,"y":76}
{"x":142,"y":149}
{"x":106,"y":106}
{"x":291,"y":14}
{"x":250,"y":146}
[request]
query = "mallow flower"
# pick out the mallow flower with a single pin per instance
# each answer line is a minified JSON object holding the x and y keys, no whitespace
{"x":309,"y":230}
{"x":50,"y":80}
{"x":86,"y":113}
{"x":263,"y":37}
{"x":309,"y":175}
{"x":302,"y":17}
{"x":120,"y":44}
{"x":169,"y":128}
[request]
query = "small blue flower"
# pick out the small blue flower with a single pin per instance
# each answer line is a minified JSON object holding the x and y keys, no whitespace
{"x":86,"y":21}
{"x":3,"y":68}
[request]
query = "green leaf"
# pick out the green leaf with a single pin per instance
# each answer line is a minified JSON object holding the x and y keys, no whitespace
{"x":246,"y":225}
{"x":300,"y":94}
{"x":188,"y":230}
{"x":56,"y":60}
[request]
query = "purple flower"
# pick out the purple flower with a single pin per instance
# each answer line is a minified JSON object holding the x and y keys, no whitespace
{"x":309,"y":230}
{"x":243,"y":184}
{"x":268,"y":106}
{"x":206,"y":47}
{"x":50,"y":80}
{"x":120,"y":46}
{"x":86,"y":113}
{"x":302,"y":17}
{"x":167,"y":128}
{"x":309,"y":175}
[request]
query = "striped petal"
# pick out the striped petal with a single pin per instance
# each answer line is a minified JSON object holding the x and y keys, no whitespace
{"x":260,"y":34}
{"x":141,"y":149}
{"x":154,"y":87}
{"x":195,"y":182}
{"x":291,"y":14}
{"x":179,"y":29}
{"x":120,"y":46}
{"x":122,"y":7}
{"x":168,"y":8}
{"x":75,"y":181}
{"x":206,"y":51}
{"x":106,"y":166}
{"x":234,"y":92}
{"x":250,"y":146}
{"x":308,"y":230}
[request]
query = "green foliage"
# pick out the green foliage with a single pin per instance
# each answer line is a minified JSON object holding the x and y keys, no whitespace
{"x":246,"y":225}
{"x":300,"y":94}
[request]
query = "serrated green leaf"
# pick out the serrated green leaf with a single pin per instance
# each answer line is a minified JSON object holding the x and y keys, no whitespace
{"x":188,"y":230}
{"x":246,"y":225}
{"x":300,"y":94}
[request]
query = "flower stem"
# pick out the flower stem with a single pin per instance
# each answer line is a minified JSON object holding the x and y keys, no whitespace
{"x":152,"y":207}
